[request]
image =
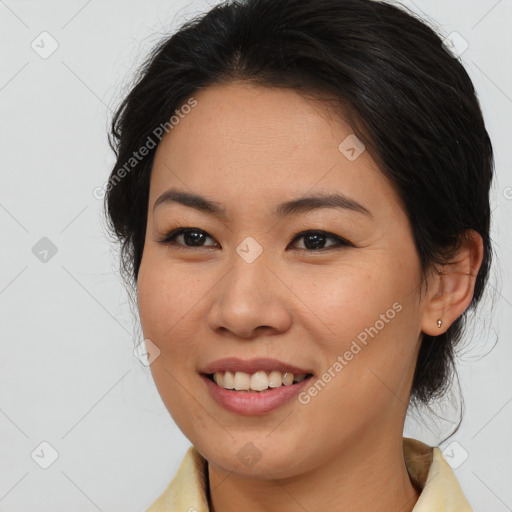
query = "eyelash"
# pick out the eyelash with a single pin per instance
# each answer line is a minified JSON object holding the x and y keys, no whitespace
{"x":340,"y":242}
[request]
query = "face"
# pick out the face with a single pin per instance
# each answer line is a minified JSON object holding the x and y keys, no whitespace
{"x":330,"y":289}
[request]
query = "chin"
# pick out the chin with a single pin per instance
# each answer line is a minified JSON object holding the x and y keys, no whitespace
{"x":246,"y":459}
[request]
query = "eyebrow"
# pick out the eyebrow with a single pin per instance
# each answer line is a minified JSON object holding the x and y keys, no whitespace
{"x":292,"y":207}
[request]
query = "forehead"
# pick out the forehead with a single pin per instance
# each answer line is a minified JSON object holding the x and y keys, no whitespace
{"x":249,"y":141}
{"x":245,"y":117}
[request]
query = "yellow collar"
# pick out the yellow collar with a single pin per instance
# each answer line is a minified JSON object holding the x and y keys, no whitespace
{"x":427,"y":467}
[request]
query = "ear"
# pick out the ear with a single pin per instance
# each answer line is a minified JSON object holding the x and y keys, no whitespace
{"x":451,"y":289}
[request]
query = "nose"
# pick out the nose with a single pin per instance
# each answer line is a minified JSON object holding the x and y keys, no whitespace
{"x":250,"y":301}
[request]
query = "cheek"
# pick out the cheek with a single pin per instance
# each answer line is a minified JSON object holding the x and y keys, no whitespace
{"x":369,"y":317}
{"x":349,"y":298}
{"x":161,"y":306}
{"x":149,"y":297}
{"x":172,"y":307}
{"x":163,"y":293}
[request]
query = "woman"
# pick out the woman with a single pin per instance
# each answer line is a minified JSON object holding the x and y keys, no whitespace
{"x":302,"y":197}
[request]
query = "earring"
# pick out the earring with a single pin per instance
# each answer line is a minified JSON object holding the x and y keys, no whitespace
{"x":439,"y":323}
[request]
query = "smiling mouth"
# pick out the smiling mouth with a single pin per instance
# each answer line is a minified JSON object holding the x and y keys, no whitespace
{"x":257,"y":382}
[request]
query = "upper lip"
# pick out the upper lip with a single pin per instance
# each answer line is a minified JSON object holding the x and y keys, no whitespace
{"x":234,"y":364}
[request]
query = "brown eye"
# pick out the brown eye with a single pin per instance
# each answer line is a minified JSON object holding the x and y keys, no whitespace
{"x":191,"y":237}
{"x":315,"y":241}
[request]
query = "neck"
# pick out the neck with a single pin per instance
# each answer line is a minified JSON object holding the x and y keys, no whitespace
{"x":370,"y":475}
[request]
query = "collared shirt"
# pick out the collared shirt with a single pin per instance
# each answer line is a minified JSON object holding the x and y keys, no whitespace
{"x":428,"y":469}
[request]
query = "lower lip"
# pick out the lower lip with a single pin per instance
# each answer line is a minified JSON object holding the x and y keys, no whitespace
{"x":243,"y":402}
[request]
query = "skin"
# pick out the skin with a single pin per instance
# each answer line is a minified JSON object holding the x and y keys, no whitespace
{"x":249,"y":148}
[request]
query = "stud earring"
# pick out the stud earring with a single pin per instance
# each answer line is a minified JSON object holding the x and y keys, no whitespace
{"x":439,"y":323}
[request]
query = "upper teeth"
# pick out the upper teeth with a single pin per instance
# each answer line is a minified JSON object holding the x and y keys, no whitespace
{"x":258,"y":381}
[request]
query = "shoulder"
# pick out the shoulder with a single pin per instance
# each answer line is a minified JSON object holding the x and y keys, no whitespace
{"x":187,"y":490}
{"x":428,"y":469}
{"x":433,"y":476}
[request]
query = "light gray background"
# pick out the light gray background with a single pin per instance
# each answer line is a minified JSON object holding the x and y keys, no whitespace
{"x":68,"y":375}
